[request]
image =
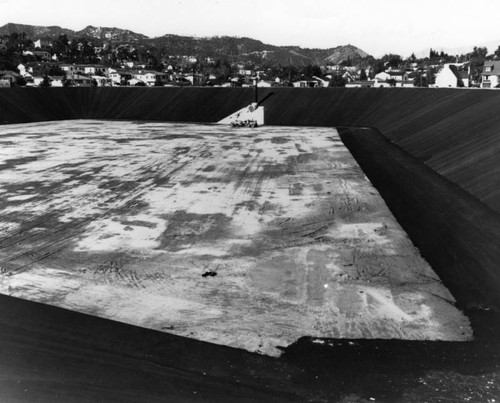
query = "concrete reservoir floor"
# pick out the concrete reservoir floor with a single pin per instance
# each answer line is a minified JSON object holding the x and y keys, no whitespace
{"x":250,"y":238}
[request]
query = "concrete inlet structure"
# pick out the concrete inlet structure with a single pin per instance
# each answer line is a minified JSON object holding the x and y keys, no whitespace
{"x":277,"y":226}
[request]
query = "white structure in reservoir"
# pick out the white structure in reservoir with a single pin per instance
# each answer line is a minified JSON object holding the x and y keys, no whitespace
{"x":252,"y":112}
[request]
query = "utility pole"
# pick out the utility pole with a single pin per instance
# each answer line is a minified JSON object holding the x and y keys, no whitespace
{"x":256,"y":95}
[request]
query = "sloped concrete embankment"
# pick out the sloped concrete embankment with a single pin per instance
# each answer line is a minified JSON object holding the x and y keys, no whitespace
{"x":455,"y":232}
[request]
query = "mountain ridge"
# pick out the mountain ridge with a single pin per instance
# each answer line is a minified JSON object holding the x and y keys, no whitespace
{"x":214,"y":46}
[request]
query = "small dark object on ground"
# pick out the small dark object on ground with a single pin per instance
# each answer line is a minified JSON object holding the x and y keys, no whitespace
{"x":209,"y":273}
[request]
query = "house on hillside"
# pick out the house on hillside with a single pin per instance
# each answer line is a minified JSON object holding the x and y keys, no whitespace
{"x":70,"y":68}
{"x":149,"y":77}
{"x":306,"y":82}
{"x":12,"y":77}
{"x":361,"y":84}
{"x":490,"y":77}
{"x":452,"y":75}
{"x":42,"y":55}
{"x":77,"y":80}
{"x":382,"y":76}
{"x":92,"y":69}
{"x":102,"y":81}
{"x":398,"y":75}
{"x":119,"y":77}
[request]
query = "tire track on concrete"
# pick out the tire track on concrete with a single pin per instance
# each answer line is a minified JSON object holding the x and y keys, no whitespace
{"x":63,"y":235}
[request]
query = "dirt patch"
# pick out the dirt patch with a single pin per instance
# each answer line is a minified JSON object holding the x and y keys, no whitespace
{"x":187,"y":229}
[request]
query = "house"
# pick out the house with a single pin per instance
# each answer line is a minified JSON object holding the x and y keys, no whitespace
{"x":57,"y":81}
{"x":148,"y":77}
{"x":42,"y":54}
{"x":12,"y":77}
{"x":305,"y":83}
{"x":244,"y":72}
{"x":102,"y":81}
{"x":119,"y":77}
{"x":310,"y":82}
{"x":195,"y":78}
{"x":77,"y":80}
{"x":134,"y":82}
{"x":22,"y":70}
{"x":360,"y":84}
{"x":267,"y":84}
{"x":70,"y":68}
{"x":382,"y":76}
{"x":490,"y":75}
{"x":397,"y":75}
{"x":92,"y":69}
{"x":451,"y":75}
{"x":322,"y":82}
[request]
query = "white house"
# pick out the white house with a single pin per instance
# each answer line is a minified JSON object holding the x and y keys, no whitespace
{"x":57,"y":81}
{"x":322,"y":82}
{"x":452,"y":76}
{"x":490,"y":75}
{"x":149,"y":77}
{"x":383,"y":76}
{"x":93,"y":69}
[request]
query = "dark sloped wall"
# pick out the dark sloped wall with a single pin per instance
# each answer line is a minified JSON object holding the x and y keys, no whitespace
{"x":456,"y":233}
{"x":456,"y":132}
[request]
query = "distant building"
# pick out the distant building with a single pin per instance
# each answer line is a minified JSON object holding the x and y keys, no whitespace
{"x":383,"y":76}
{"x":490,"y":75}
{"x":77,"y":80}
{"x":451,"y":75}
{"x":42,"y":55}
{"x":11,"y":77}
{"x":360,"y":84}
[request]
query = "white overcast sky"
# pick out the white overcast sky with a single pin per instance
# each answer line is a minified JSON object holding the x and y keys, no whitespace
{"x":377,"y":27}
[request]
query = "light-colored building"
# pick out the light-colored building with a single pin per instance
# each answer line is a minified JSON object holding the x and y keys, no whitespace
{"x":92,"y":69}
{"x":382,"y":76}
{"x":490,"y":77}
{"x":149,"y":77}
{"x":452,"y":75}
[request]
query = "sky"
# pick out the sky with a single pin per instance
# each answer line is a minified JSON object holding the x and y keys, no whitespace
{"x":377,"y":27}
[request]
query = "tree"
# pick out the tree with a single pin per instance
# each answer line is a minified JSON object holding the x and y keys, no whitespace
{"x":362,"y":75}
{"x":420,"y":80}
{"x":476,"y":62}
{"x":60,"y":46}
{"x":392,"y":60}
{"x":45,"y":82}
{"x":391,"y":82}
{"x":158,"y":82}
{"x":337,"y":81}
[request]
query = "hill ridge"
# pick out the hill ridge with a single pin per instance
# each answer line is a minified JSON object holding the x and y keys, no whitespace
{"x":225,"y":45}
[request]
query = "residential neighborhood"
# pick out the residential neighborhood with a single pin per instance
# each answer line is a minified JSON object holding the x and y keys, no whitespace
{"x":88,"y":62}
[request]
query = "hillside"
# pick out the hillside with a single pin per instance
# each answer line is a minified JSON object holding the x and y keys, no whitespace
{"x":35,"y":31}
{"x":239,"y":48}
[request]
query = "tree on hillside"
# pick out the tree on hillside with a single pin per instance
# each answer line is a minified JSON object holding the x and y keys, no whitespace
{"x":362,"y":75}
{"x":392,"y":60}
{"x":60,"y":46}
{"x":337,"y":81}
{"x":420,"y":80}
{"x":497,"y":53}
{"x":45,"y":82}
{"x":476,"y":61}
